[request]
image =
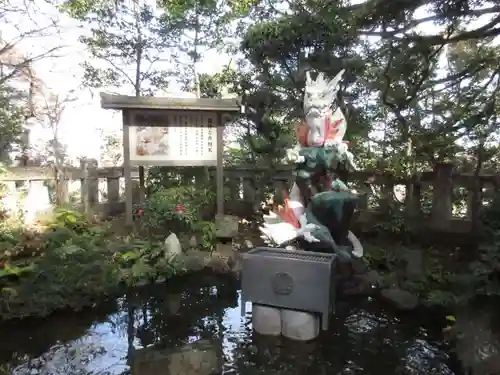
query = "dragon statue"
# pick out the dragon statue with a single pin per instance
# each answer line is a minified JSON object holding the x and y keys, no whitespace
{"x":319,"y":207}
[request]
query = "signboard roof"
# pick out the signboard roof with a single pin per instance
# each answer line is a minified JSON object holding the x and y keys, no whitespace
{"x":120,"y":102}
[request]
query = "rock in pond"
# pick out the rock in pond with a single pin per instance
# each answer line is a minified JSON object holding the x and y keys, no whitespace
{"x":173,"y":246}
{"x":400,"y":298}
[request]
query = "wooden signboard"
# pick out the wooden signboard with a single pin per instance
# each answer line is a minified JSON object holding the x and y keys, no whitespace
{"x":175,"y":139}
{"x":172,"y":132}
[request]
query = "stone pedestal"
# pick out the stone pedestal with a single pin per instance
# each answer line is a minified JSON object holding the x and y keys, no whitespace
{"x":294,"y":325}
{"x":266,"y":320}
{"x":289,"y":291}
{"x":299,"y":325}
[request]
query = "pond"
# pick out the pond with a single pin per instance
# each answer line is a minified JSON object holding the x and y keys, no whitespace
{"x":193,"y":324}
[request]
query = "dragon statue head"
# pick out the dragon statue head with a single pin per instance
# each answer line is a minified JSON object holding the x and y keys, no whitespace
{"x":319,"y":94}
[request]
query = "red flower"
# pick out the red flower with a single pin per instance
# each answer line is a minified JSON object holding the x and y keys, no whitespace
{"x":180,"y":208}
{"x":139,"y":212}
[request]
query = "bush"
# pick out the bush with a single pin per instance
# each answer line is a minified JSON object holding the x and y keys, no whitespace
{"x":70,"y":219}
{"x":175,"y":209}
{"x":72,"y":264}
{"x":208,"y":231}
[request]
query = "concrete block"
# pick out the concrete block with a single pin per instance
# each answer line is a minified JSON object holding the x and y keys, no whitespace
{"x":298,"y":325}
{"x":266,"y":320}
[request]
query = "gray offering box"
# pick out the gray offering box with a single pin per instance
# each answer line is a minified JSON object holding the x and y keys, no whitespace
{"x":289,"y":279}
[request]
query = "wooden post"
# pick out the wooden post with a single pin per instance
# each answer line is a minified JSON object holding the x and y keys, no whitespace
{"x":113,"y":189}
{"x":470,"y":203}
{"x":113,"y":193}
{"x":220,"y":166}
{"x":470,"y":200}
{"x":413,"y":198}
{"x":387,"y":191}
{"x":62,"y":191}
{"x":92,"y":183}
{"x":248,"y":190}
{"x":441,"y":196}
{"x":84,"y":187}
{"x":142,"y":184}
{"x":233,"y":183}
{"x":129,"y":219}
{"x":363,"y":197}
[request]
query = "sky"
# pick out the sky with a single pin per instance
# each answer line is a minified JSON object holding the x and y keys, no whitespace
{"x":81,"y":121}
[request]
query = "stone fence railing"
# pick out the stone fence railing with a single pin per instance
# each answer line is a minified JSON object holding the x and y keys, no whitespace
{"x":252,"y":185}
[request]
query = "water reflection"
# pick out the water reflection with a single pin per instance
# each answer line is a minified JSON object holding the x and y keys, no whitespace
{"x":194,"y":327}
{"x":203,"y":357}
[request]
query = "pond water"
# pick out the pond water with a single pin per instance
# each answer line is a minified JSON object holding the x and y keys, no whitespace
{"x":193,"y":325}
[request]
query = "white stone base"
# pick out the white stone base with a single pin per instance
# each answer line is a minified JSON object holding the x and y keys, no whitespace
{"x":266,"y":320}
{"x":299,"y":325}
{"x":294,"y":325}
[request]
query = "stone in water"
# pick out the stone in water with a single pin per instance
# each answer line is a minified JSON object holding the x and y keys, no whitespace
{"x":266,"y":320}
{"x":299,"y":325}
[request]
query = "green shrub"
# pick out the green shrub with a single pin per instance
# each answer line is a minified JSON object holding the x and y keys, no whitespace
{"x":169,"y":209}
{"x":175,"y":209}
{"x":145,"y":260}
{"x":77,"y":270}
{"x":70,"y":219}
{"x":208,"y":231}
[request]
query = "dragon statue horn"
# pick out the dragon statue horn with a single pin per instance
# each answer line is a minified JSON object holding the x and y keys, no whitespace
{"x":308,"y":78}
{"x":332,"y":85}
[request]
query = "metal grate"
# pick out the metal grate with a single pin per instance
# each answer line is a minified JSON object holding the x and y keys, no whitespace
{"x":290,"y":254}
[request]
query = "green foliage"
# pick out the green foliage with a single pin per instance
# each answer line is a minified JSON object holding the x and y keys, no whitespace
{"x":74,"y":263}
{"x":191,"y":185}
{"x":213,"y":85}
{"x":70,"y":219}
{"x":393,"y":223}
{"x":174,"y":209}
{"x":125,"y":43}
{"x":435,"y":287}
{"x":145,"y":260}
{"x":12,"y":113}
{"x":208,"y":231}
{"x":181,"y":209}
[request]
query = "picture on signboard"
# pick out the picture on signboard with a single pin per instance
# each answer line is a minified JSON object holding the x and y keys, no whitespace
{"x":187,"y":139}
{"x":151,"y":140}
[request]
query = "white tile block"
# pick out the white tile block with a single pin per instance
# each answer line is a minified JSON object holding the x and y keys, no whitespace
{"x":298,"y":325}
{"x":266,"y":320}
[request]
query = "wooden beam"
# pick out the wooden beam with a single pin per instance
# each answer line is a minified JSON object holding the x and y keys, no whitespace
{"x":219,"y":139}
{"x":109,"y":101}
{"x":129,"y":218}
{"x":279,"y":173}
